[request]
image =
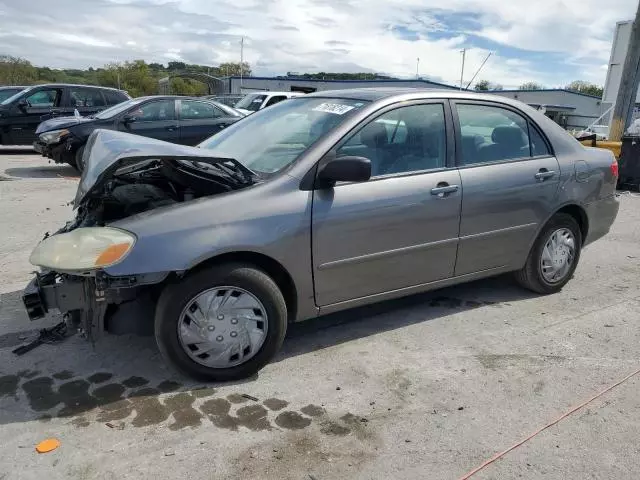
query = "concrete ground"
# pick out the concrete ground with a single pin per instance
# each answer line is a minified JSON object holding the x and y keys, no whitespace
{"x":427,"y":387}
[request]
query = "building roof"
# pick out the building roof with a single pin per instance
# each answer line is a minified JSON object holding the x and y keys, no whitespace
{"x":548,"y":90}
{"x":381,"y":80}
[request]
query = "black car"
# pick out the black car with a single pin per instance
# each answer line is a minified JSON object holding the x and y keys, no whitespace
{"x":9,"y":91}
{"x":173,"y":119}
{"x":21,"y":113}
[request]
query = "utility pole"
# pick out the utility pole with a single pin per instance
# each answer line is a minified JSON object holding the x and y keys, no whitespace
{"x":241,"y":60}
{"x":464,"y":52}
{"x":417,"y":68}
{"x":629,"y":80}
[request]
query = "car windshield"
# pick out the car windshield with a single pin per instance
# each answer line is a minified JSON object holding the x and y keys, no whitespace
{"x":8,"y":92}
{"x":226,"y":109}
{"x":275,"y":137}
{"x":251,"y":102}
{"x":14,"y":96}
{"x":116,"y":109}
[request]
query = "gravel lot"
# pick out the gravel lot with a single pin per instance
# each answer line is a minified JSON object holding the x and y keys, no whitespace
{"x":427,"y":387}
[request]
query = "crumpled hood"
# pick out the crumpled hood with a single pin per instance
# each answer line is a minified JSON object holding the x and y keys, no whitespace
{"x":61,"y":122}
{"x":107,"y":151}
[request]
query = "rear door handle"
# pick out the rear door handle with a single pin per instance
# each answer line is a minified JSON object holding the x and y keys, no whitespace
{"x":543,"y":174}
{"x":443,"y":190}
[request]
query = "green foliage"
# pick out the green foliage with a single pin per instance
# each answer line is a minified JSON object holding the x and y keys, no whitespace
{"x":137,"y":77}
{"x":585,"y":87}
{"x":486,"y":85}
{"x":531,"y":86}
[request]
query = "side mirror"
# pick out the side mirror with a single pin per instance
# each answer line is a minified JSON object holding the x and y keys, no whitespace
{"x":344,"y":169}
{"x":23,"y":104}
{"x":127,"y":119}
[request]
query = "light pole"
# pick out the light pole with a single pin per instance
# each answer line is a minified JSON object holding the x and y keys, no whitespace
{"x":464,"y":52}
{"x":241,"y":60}
{"x":417,"y":68}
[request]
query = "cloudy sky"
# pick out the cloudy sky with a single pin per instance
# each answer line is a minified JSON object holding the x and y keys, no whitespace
{"x":549,"y":41}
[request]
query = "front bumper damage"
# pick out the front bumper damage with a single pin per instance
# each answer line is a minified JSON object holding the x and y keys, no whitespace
{"x":95,"y":304}
{"x":62,"y":152}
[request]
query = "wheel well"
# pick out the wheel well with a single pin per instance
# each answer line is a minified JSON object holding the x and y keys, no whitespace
{"x":271,"y":267}
{"x":580,"y":216}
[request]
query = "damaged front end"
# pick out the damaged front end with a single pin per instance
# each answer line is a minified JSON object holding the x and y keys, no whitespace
{"x":125,"y":175}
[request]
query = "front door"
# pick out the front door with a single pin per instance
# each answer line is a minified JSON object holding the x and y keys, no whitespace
{"x":41,"y":104}
{"x":510,"y":180}
{"x":155,"y":119}
{"x":400,"y":228}
{"x":199,"y":120}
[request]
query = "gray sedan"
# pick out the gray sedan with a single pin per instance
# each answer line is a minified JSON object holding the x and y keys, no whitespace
{"x":315,"y":205}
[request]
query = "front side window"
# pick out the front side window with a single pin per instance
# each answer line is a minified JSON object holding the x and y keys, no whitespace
{"x":407,"y":139}
{"x":86,"y":97}
{"x":492,"y":134}
{"x":155,"y":111}
{"x":194,"y":110}
{"x":273,"y":138}
{"x":45,"y":98}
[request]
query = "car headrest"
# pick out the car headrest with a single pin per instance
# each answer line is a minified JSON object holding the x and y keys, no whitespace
{"x":374,"y":135}
{"x":511,"y":136}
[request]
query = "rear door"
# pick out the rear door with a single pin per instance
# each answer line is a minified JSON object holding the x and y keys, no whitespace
{"x":155,"y":119}
{"x":42,"y":104}
{"x":510,"y":182}
{"x":399,"y":229}
{"x":86,"y":100}
{"x":199,"y":120}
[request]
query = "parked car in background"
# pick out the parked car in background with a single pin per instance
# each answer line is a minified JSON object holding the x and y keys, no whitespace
{"x":321,"y":203}
{"x":228,"y":100}
{"x":252,"y":102}
{"x":21,"y":113}
{"x":174,"y":119}
{"x":9,"y":91}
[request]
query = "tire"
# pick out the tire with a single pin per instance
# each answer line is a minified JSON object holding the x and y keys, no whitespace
{"x":531,"y":276}
{"x":79,"y":164}
{"x":171,"y":315}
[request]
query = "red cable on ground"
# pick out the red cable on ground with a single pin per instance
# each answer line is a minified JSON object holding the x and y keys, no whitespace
{"x":574,"y":409}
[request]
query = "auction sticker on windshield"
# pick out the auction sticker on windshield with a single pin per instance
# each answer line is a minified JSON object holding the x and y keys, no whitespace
{"x":336,"y":108}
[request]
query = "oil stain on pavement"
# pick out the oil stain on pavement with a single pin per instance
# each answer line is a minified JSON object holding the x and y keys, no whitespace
{"x":135,"y":403}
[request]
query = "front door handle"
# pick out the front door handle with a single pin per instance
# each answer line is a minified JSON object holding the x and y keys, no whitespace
{"x":543,"y":174}
{"x":171,"y":128}
{"x":443,"y":189}
{"x":54,"y":113}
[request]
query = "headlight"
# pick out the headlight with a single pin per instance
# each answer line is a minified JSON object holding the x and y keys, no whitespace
{"x":54,"y":136}
{"x":83,"y":249}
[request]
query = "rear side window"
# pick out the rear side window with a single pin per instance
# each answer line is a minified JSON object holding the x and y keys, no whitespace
{"x":492,"y":134}
{"x":275,"y":99}
{"x":113,"y":97}
{"x":194,"y":110}
{"x":86,"y":97}
{"x":538,"y":145}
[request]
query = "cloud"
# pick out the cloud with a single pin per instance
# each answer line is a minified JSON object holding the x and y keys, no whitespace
{"x":548,"y":41}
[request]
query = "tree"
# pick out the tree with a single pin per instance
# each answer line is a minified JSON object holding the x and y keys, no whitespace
{"x":531,"y":86}
{"x":482,"y":86}
{"x":585,"y":87}
{"x":233,"y":68}
{"x":16,"y":71}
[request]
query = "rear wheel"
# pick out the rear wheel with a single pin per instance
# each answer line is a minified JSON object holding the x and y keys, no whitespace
{"x":221,"y":324}
{"x":554,"y":256}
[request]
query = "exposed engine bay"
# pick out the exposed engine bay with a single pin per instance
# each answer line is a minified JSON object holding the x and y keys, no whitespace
{"x":146,"y":184}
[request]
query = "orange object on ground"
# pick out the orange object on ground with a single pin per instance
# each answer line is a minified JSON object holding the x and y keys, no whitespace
{"x":47,"y":445}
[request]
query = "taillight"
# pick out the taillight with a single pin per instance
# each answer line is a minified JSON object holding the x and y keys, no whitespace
{"x":614,"y":168}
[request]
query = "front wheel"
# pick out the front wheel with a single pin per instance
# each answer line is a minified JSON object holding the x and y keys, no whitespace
{"x":554,"y":256}
{"x":79,"y":163}
{"x":223,"y":323}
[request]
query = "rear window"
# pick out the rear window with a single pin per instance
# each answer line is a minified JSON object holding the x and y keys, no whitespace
{"x":113,"y":97}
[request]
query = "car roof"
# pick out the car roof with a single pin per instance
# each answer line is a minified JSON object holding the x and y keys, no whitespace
{"x":5,"y":87}
{"x":271,"y":92}
{"x":75,"y":85}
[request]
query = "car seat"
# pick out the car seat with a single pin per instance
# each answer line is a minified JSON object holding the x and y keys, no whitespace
{"x":508,"y":142}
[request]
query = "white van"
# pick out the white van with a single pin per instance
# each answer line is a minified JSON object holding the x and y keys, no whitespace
{"x":254,"y":101}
